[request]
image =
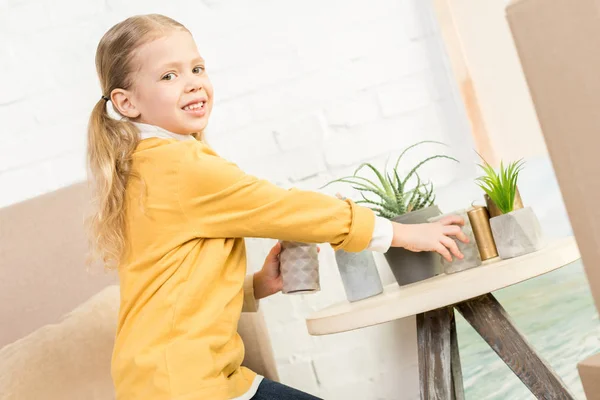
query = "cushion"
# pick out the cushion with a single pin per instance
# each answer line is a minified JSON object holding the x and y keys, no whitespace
{"x":70,"y":360}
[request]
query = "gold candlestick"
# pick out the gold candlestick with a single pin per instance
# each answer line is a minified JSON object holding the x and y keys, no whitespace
{"x":480,"y":221}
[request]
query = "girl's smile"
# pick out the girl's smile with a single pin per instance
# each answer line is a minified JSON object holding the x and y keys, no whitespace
{"x":196,"y":107}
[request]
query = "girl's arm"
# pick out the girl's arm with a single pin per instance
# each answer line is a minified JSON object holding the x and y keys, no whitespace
{"x":221,"y":201}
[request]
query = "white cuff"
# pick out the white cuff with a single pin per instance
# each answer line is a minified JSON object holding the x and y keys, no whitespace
{"x":382,"y":235}
{"x":250,"y":303}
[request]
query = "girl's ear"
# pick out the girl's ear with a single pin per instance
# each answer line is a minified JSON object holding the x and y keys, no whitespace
{"x":122,"y":100}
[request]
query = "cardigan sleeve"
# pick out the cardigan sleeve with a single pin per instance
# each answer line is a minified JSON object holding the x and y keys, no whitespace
{"x":220,"y":200}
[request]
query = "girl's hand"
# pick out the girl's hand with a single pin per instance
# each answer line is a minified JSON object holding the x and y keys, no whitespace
{"x":432,"y":236}
{"x":268,"y":280}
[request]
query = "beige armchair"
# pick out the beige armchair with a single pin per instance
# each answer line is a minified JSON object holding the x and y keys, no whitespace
{"x":58,"y":320}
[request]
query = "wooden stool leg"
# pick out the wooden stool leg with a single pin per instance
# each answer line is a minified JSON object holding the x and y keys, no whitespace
{"x":457,"y":380}
{"x":495,"y":326}
{"x":433,"y":334}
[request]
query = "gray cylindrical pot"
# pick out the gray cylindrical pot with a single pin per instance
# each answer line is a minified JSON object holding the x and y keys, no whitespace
{"x":517,"y":233}
{"x":469,"y":250}
{"x":410,"y":267}
{"x":359,"y":274}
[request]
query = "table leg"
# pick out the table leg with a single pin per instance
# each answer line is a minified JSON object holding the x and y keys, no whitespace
{"x":457,"y":379}
{"x":495,"y":326}
{"x":433,"y":335}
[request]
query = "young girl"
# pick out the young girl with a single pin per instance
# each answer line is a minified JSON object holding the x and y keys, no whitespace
{"x":172,"y":215}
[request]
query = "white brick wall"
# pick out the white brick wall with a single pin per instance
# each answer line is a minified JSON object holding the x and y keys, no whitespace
{"x":305,"y":91}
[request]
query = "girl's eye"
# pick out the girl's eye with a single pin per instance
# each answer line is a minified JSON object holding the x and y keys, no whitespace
{"x":198,"y":70}
{"x":168,"y":77}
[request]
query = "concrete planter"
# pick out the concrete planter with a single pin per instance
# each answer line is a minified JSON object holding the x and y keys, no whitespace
{"x":517,"y":233}
{"x":359,"y":274}
{"x":409,"y":267}
{"x":470,"y":250}
{"x":299,"y":268}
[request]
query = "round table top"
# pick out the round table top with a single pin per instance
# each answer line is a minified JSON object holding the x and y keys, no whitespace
{"x":398,"y":302}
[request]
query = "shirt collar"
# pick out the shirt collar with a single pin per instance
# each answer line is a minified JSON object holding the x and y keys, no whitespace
{"x":149,"y":131}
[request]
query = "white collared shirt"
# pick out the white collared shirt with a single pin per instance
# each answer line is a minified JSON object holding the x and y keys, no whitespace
{"x":148,"y":131}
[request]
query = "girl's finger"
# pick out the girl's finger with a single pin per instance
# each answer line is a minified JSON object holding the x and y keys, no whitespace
{"x":451,"y":230}
{"x":454,"y":230}
{"x":452,"y":220}
{"x":452,"y":246}
{"x":440,"y":248}
{"x":462,"y":237}
{"x":318,"y":249}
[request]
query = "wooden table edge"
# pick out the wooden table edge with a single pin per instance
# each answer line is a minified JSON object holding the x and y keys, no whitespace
{"x":345,"y":316}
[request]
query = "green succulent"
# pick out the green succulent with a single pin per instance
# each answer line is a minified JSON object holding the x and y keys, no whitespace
{"x":394,"y":194}
{"x":501,"y":186}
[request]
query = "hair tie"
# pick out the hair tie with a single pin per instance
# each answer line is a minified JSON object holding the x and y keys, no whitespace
{"x":105,"y":98}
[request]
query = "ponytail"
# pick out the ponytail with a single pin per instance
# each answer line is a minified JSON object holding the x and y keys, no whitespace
{"x":111,"y":143}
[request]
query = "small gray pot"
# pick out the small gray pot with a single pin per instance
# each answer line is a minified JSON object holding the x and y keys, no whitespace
{"x":470,"y":250}
{"x":359,"y":274}
{"x":517,"y":233}
{"x":299,"y":268}
{"x":410,"y":267}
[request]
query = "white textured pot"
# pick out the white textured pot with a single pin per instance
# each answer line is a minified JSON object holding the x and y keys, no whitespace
{"x":517,"y":233}
{"x":359,"y":274}
{"x":299,"y":267}
{"x":470,"y":250}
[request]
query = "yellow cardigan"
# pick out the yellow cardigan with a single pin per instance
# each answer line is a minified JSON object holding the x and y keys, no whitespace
{"x":182,"y":276}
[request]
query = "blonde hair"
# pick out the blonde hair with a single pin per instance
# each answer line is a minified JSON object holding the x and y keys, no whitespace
{"x":111,"y":142}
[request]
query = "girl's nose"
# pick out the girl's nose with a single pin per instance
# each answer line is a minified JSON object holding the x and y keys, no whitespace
{"x":194,"y":85}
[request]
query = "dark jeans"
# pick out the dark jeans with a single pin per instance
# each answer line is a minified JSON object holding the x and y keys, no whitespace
{"x":269,"y":390}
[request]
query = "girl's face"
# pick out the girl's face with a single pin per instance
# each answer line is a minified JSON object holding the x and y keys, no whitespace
{"x":170,"y":87}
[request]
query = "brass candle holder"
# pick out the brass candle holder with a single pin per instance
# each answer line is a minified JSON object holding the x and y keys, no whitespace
{"x":480,"y":221}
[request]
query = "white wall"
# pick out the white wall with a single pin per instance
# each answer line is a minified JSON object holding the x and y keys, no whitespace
{"x":306,"y":90}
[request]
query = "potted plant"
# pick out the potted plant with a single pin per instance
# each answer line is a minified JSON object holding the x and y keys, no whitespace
{"x":406,"y":200}
{"x":516,"y":231}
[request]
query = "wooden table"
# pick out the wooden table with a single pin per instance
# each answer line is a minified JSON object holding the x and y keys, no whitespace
{"x":434,"y":300}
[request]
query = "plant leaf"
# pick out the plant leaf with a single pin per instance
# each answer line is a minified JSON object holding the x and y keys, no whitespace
{"x":415,"y":191}
{"x":419,"y":165}
{"x":382,"y":205}
{"x":384,"y":182}
{"x":357,"y":181}
{"x":415,"y":145}
{"x":383,"y":197}
{"x":426,"y":198}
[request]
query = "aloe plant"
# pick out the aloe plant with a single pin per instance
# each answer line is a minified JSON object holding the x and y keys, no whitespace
{"x":501,"y":186}
{"x":394,"y":194}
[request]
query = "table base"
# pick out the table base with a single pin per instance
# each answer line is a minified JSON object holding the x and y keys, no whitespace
{"x":439,"y":360}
